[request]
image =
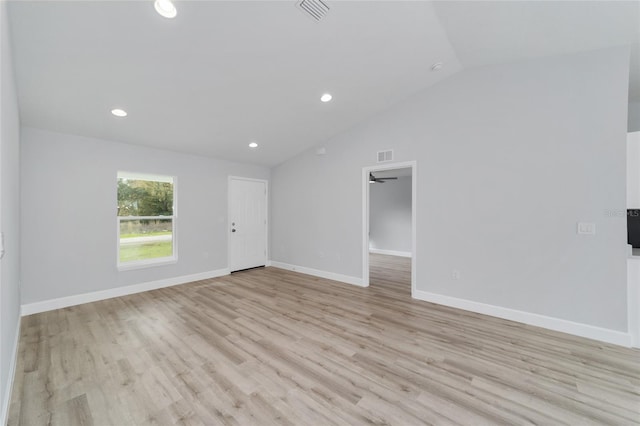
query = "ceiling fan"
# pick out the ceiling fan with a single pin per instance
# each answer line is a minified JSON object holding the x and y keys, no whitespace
{"x":373,"y":179}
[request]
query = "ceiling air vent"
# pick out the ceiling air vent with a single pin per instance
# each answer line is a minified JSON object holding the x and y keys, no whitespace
{"x":385,"y":156}
{"x":316,"y":9}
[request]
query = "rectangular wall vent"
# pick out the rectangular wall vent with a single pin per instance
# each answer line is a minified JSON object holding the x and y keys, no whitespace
{"x":315,"y":9}
{"x":385,"y":156}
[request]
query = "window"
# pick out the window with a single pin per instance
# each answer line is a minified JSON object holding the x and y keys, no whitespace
{"x":146,"y":220}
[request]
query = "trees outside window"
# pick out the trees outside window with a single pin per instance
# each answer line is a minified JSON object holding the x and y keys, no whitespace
{"x":146,"y":220}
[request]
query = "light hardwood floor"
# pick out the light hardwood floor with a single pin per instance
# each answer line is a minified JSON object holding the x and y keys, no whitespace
{"x":268,"y":346}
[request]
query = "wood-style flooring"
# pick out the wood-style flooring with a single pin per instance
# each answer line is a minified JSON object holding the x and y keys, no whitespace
{"x":268,"y":346}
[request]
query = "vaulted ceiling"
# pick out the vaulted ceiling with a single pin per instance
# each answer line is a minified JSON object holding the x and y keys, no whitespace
{"x":225,"y":73}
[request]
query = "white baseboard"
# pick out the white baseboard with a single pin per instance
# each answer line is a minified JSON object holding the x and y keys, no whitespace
{"x":4,"y":413}
{"x":633,"y":299}
{"x":390,"y":252}
{"x":556,"y":324}
{"x":318,"y":273}
{"x":79,"y":299}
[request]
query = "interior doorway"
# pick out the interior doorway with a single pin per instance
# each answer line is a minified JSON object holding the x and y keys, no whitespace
{"x":633,"y":192}
{"x":389,"y":223}
{"x":247,"y":243}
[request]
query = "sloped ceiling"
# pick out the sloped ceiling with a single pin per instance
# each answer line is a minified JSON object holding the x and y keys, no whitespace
{"x":223,"y":74}
{"x":485,"y":33}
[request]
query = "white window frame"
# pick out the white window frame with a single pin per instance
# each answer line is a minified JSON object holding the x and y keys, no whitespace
{"x":157,"y":261}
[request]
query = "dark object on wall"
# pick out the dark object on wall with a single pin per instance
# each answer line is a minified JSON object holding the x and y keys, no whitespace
{"x":633,"y":227}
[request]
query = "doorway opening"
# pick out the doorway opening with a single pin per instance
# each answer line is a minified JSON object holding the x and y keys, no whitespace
{"x":633,"y":192}
{"x":389,"y":224}
{"x":633,"y":236}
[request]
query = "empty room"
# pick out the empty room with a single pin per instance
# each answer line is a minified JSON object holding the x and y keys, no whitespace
{"x":319,"y":212}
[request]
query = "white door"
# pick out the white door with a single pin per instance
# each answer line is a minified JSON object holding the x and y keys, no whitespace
{"x":247,"y":223}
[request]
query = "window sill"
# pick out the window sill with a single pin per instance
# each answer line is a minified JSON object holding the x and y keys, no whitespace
{"x":129,"y":266}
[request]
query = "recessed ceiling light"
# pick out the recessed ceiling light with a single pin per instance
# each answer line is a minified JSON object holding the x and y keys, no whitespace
{"x":119,"y":112}
{"x":436,"y":67}
{"x":165,"y":8}
{"x":326,"y":97}
{"x":253,"y":145}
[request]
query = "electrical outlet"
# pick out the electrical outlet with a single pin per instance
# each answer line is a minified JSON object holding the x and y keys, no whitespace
{"x":586,"y":228}
{"x":455,"y":274}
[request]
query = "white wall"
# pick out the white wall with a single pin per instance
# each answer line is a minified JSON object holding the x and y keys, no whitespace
{"x":69,"y":212}
{"x":634,"y":117}
{"x":509,"y":158}
{"x":9,"y":213}
{"x":390,"y":215}
{"x":633,"y":170}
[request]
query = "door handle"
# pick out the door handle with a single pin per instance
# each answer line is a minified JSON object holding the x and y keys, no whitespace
{"x":233,"y":230}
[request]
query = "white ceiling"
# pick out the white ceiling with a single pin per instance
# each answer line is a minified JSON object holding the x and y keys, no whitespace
{"x":484,"y":32}
{"x":222,"y":74}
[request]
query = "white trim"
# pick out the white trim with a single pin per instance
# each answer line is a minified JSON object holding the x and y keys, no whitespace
{"x":79,"y":299}
{"x":147,"y":263}
{"x":583,"y":330}
{"x":390,"y":252}
{"x":633,"y":300}
{"x":318,"y":273}
{"x":266,"y":216}
{"x":365,"y":217}
{"x":4,"y":414}
{"x":145,"y":176}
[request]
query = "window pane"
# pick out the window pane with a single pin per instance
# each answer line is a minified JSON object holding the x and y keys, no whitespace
{"x":137,"y":197}
{"x":145,"y":239}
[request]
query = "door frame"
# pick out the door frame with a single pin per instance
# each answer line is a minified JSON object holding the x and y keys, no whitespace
{"x":413,"y":165}
{"x":266,"y":215}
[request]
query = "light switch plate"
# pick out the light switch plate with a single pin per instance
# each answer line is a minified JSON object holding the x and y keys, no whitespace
{"x":586,"y":228}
